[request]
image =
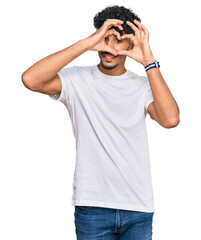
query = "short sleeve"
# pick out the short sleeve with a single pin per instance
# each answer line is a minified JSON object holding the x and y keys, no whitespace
{"x":148,"y":97}
{"x":65,"y":74}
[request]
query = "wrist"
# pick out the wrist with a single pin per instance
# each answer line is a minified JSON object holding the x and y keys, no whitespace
{"x":85,"y":44}
{"x":148,"y":61}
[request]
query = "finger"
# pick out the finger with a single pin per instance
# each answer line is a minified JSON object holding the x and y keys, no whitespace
{"x":138,"y":24}
{"x":110,"y":50}
{"x":113,"y":31}
{"x":120,"y":27}
{"x":123,"y":52}
{"x":145,"y":29}
{"x":115,"y":25}
{"x":114,"y":22}
{"x":133,"y":27}
{"x":130,"y":36}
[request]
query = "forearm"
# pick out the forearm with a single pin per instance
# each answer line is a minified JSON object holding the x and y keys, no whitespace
{"x":165,"y":105}
{"x":46,"y":68}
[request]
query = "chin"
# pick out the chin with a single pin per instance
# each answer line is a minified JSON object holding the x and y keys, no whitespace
{"x":108,"y":67}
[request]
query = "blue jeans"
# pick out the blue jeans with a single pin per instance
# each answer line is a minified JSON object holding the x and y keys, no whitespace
{"x":101,"y":223}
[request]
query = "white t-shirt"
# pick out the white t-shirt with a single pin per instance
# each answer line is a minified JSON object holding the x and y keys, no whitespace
{"x":108,"y":118}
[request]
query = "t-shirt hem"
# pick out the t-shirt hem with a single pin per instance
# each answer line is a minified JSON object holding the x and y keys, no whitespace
{"x":112,"y":205}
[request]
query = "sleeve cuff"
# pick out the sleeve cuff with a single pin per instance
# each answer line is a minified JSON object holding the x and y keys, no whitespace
{"x":60,"y":96}
{"x":150,"y":100}
{"x":149,"y":97}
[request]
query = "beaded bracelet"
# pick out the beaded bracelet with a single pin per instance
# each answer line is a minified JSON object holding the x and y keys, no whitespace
{"x":152,"y":65}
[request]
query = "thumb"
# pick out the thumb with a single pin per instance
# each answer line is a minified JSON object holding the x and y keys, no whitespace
{"x":111,"y":50}
{"x":123,"y":52}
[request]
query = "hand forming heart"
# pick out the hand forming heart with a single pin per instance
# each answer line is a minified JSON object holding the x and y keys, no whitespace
{"x":96,"y":41}
{"x":141,"y":51}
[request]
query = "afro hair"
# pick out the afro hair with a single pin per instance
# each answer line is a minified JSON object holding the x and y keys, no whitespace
{"x":116,"y":12}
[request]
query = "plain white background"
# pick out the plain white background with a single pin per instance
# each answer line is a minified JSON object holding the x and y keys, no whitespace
{"x":37,"y":156}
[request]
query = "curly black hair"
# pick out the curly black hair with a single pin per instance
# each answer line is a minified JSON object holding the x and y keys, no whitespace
{"x":116,"y":12}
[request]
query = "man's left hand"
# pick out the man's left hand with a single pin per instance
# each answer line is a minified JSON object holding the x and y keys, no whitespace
{"x":140,"y":49}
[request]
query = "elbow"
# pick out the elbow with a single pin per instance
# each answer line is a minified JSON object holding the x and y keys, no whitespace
{"x":172,"y":123}
{"x":27,"y":81}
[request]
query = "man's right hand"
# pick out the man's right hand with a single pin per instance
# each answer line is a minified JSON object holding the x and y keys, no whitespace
{"x":42,"y":76}
{"x":96,"y":41}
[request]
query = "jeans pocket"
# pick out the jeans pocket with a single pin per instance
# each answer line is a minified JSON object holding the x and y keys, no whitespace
{"x":83,"y":207}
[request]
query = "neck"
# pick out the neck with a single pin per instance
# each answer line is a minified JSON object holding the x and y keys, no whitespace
{"x":118,"y":70}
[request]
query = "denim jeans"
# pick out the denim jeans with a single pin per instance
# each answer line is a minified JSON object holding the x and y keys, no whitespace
{"x":101,"y":223}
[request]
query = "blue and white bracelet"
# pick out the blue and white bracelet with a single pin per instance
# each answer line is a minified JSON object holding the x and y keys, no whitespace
{"x":152,"y":65}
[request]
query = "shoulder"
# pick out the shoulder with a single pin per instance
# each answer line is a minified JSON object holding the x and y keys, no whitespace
{"x":134,"y":75}
{"x":145,"y":81}
{"x":139,"y":79}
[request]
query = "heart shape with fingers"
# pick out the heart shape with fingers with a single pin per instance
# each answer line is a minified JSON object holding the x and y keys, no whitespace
{"x":140,"y":51}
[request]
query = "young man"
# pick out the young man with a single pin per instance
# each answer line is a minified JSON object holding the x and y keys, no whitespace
{"x":107,"y":104}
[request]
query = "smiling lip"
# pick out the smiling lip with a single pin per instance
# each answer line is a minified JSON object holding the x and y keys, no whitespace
{"x":108,"y":57}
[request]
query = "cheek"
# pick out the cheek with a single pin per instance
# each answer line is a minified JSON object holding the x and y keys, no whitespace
{"x":122,"y":57}
{"x":99,"y":54}
{"x":122,"y":46}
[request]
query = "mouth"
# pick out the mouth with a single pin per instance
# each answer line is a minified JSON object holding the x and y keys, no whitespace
{"x":108,"y":56}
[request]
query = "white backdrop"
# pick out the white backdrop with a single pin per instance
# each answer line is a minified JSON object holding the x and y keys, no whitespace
{"x":37,"y":156}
